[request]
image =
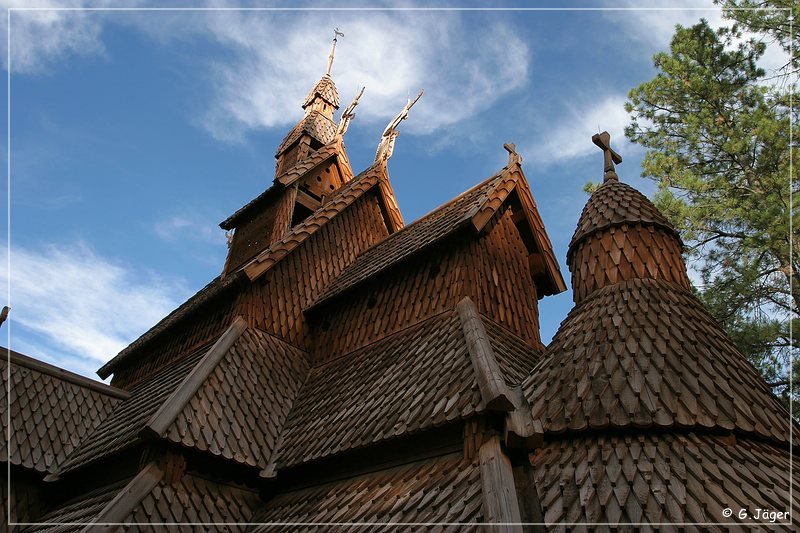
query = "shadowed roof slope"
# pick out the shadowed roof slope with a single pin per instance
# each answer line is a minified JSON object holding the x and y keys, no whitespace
{"x":49,"y":410}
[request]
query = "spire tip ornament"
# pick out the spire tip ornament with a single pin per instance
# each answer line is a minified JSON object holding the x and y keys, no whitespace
{"x":336,"y":35}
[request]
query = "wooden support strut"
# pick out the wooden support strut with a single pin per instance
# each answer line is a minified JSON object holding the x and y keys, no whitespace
{"x":494,"y":391}
{"x":121,"y":506}
{"x":500,"y":504}
{"x":165,"y":416}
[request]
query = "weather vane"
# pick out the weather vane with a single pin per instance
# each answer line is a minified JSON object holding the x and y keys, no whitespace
{"x":336,"y":35}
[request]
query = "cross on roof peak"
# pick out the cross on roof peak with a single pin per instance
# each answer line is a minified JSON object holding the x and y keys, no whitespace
{"x":603,"y":141}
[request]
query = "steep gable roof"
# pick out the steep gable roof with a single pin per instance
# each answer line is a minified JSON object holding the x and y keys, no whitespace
{"x":122,"y":428}
{"x":471,"y":208}
{"x":49,"y":410}
{"x":225,"y":414}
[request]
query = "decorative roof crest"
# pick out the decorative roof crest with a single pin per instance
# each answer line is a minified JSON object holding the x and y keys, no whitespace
{"x":348,"y":114}
{"x":386,"y":146}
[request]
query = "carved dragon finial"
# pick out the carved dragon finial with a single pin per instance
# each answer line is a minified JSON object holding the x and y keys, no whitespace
{"x":386,"y":146}
{"x":348,"y":114}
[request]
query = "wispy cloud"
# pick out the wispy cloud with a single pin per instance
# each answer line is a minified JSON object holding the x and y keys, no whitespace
{"x":188,"y":226}
{"x":569,"y":139}
{"x":393,"y":55}
{"x":85,"y":306}
{"x":40,"y":39}
{"x":655,"y":28}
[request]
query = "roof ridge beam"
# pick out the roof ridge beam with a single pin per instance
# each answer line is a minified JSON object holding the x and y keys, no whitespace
{"x":160,"y":422}
{"x":495,"y":393}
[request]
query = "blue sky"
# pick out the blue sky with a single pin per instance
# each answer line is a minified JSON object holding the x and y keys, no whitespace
{"x":133,"y":134}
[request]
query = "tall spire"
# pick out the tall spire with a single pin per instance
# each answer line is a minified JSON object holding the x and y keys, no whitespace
{"x":336,"y":34}
{"x":603,"y":141}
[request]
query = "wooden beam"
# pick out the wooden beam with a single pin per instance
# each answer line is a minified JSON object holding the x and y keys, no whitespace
{"x":521,"y":430}
{"x":163,"y":418}
{"x":494,"y":391}
{"x":500,"y":504}
{"x":121,"y":506}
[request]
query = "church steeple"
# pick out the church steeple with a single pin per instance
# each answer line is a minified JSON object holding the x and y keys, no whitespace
{"x":317,"y":127}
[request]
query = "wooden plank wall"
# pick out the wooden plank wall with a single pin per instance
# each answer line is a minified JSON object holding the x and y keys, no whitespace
{"x":491,"y":269}
{"x":274,"y":303}
{"x":257,"y":233}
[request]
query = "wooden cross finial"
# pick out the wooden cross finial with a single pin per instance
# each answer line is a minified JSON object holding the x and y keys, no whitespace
{"x":513,"y":156}
{"x":603,"y":141}
{"x":336,"y":35}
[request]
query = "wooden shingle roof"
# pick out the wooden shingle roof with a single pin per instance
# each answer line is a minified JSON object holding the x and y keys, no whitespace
{"x":471,"y":208}
{"x":314,"y":124}
{"x":341,"y":198}
{"x":646,"y":353}
{"x":662,"y":479}
{"x":49,"y":411}
{"x":442,"y":489}
{"x":415,"y":379}
{"x":122,"y":428}
{"x":325,"y":89}
{"x":616,"y":203}
{"x":225,"y":416}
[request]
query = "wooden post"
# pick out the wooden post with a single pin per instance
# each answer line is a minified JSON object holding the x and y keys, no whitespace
{"x":500,"y":505}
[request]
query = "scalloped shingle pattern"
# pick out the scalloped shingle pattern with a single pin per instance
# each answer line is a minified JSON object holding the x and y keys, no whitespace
{"x":645,"y":353}
{"x":193,"y":499}
{"x":121,"y":428}
{"x":81,"y":510}
{"x":239,"y":410}
{"x":613,"y":204}
{"x":326,"y":89}
{"x":444,"y":489}
{"x":315,"y":124}
{"x":416,"y":236}
{"x":666,"y":479}
{"x":48,"y":416}
{"x":415,"y":379}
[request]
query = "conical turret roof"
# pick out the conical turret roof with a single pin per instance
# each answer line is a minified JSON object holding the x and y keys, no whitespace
{"x":614,"y":204}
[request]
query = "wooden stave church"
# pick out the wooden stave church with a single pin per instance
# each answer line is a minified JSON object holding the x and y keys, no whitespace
{"x":347,"y":368}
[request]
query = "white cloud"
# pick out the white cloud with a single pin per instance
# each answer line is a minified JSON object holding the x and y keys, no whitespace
{"x":80,"y":304}
{"x":189,"y":226}
{"x":277,"y":59}
{"x":571,"y":136}
{"x":40,"y":39}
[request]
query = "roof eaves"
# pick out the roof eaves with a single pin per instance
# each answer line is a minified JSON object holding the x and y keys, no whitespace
{"x":162,"y":419}
{"x":231,"y":221}
{"x":65,"y":375}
